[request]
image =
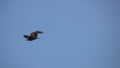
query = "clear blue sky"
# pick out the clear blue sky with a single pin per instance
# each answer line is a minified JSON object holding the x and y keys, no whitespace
{"x":77,"y":33}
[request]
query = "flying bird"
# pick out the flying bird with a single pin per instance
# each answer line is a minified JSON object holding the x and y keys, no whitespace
{"x":32,"y":36}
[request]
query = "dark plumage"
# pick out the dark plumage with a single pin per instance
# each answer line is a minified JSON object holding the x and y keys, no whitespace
{"x":33,"y":35}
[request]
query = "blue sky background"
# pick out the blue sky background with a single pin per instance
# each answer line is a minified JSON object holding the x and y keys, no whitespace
{"x":77,"y":33}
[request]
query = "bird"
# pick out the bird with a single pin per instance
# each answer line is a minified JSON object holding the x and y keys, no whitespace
{"x":32,"y":36}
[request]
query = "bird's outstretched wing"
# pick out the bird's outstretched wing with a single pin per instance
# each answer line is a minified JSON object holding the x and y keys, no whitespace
{"x":26,"y":36}
{"x":35,"y":34}
{"x":39,"y":31}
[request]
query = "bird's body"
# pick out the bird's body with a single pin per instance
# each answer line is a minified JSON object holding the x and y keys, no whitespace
{"x":33,"y":35}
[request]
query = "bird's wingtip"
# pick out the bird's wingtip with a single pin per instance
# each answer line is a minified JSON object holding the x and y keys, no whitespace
{"x":39,"y":31}
{"x":26,"y":36}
